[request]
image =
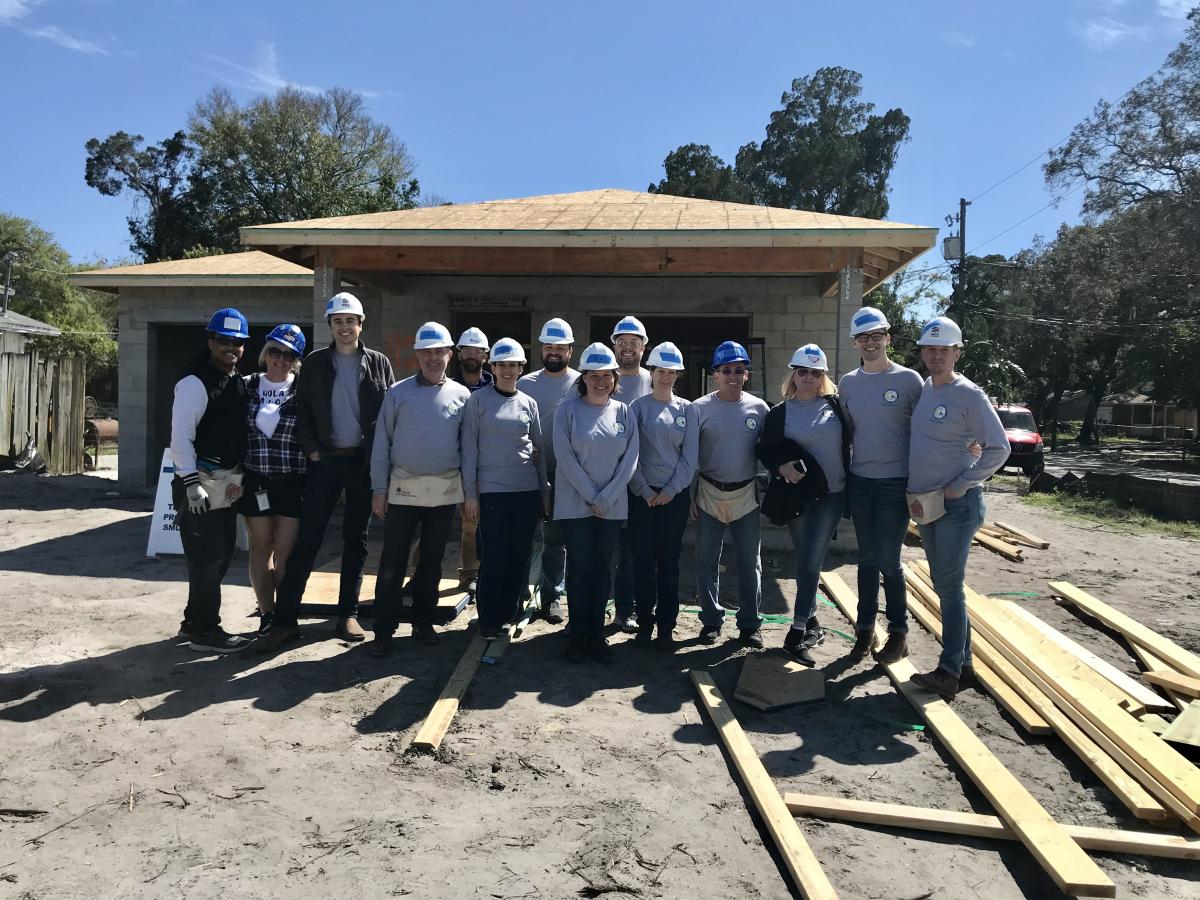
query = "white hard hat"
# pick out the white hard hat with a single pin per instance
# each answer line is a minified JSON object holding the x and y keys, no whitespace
{"x":597,"y":358}
{"x":666,"y":356}
{"x":868,"y":319}
{"x":556,"y":331}
{"x":345,"y":302}
{"x":940,"y":332}
{"x":629,"y":325}
{"x":507,"y":350}
{"x":432,"y":336}
{"x":810,"y":356}
{"x":473,"y":337}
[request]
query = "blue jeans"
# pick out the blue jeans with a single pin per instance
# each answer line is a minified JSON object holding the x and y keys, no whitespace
{"x":880,"y":514}
{"x":657,"y":537}
{"x":591,"y":542}
{"x":710,"y":536}
{"x":947,"y":542}
{"x":811,"y":534}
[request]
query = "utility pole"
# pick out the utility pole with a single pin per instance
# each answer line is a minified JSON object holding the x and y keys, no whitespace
{"x":959,"y":302}
{"x":8,"y":261}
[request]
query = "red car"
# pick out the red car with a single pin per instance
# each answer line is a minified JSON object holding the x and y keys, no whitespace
{"x":1025,"y":449}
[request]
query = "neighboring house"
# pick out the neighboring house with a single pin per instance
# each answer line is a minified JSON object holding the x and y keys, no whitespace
{"x":1137,"y":414}
{"x":696,"y":272}
{"x":16,"y":331}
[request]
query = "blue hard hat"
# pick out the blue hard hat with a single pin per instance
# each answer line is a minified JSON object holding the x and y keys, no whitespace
{"x":728,"y":352}
{"x":229,"y":322}
{"x":289,"y":336}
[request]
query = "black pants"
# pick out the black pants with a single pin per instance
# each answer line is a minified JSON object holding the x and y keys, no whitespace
{"x":399,"y":530}
{"x":323,"y":485}
{"x":506,"y":524}
{"x":656,"y":534}
{"x":591,"y":542}
{"x":208,"y":541}
{"x":624,"y":589}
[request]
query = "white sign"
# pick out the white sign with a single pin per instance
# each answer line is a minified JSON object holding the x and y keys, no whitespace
{"x":164,"y":533}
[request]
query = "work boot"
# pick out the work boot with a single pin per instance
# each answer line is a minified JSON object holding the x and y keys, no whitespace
{"x":710,"y":634}
{"x":645,"y":637}
{"x":277,"y":638}
{"x":552,"y":612}
{"x":751,"y":637}
{"x":864,"y":643}
{"x":814,"y":636}
{"x":793,"y":645}
{"x":381,"y":645}
{"x":348,"y":629}
{"x":425,"y":634}
{"x":939,"y":681}
{"x":968,"y":679}
{"x":895,"y":648}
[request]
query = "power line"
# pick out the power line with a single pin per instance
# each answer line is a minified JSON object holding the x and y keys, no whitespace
{"x":1054,"y":202}
{"x":1022,"y":169}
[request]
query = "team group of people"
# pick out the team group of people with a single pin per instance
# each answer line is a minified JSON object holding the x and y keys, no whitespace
{"x":587,"y":475}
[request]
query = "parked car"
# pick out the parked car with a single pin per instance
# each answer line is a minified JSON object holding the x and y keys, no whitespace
{"x":1025,"y":449}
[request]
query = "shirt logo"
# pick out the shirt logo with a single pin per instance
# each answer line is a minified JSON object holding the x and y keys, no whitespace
{"x":890,"y":396}
{"x":453,"y":408}
{"x":939,"y":413}
{"x":681,"y":422}
{"x":751,"y":423}
{"x":620,"y":427}
{"x":524,"y":417}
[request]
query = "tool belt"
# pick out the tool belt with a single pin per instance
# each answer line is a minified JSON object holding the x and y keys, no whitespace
{"x":216,"y":484}
{"x":727,"y":485}
{"x":407,"y":489}
{"x":727,"y":505}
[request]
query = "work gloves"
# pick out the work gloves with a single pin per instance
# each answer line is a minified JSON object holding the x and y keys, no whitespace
{"x":196,"y":495}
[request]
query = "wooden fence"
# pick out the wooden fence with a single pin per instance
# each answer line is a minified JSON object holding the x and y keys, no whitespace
{"x":42,"y":397}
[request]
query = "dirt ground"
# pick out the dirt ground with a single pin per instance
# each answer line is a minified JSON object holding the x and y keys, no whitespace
{"x":258,"y":777}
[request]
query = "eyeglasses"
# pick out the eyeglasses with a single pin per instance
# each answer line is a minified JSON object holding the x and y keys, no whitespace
{"x":871,"y":337}
{"x":283,"y":354}
{"x":802,"y":372}
{"x":738,"y":371}
{"x":229,"y":341}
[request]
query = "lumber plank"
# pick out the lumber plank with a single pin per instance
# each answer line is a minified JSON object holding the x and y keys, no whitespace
{"x":1063,"y":860}
{"x":1004,"y":548}
{"x":1141,"y":694}
{"x":1186,"y":727}
{"x":1152,"y":662}
{"x":797,"y":855}
{"x":1105,"y":840}
{"x":1154,"y":722}
{"x":437,"y":723}
{"x":1032,"y":539}
{"x":1181,"y":684}
{"x":1165,"y":649}
{"x":1124,"y":787}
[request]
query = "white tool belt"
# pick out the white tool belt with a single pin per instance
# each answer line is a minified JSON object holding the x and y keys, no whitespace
{"x":726,"y":506}
{"x":216,"y":484}
{"x":407,"y":489}
{"x":933,"y":505}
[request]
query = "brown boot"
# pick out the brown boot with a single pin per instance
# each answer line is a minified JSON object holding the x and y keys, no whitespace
{"x":939,"y":681}
{"x":277,"y":638}
{"x":348,"y":629}
{"x":967,"y":679}
{"x":864,"y":643}
{"x":895,"y":648}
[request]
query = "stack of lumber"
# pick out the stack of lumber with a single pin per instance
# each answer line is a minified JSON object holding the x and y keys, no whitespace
{"x":1093,"y":707}
{"x":1005,"y":540}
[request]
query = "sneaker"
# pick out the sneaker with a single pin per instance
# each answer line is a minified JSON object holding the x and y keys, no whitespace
{"x":939,"y":681}
{"x":218,"y":641}
{"x":968,"y":680}
{"x":645,"y":638}
{"x":490,"y":632}
{"x":895,"y":648}
{"x":552,"y":612}
{"x":265,"y":621}
{"x":710,"y":634}
{"x":277,"y":638}
{"x":627,"y":624}
{"x":348,"y":629}
{"x":751,"y":638}
{"x":794,"y":646}
{"x":864,"y":643}
{"x":814,"y":636}
{"x":381,"y":645}
{"x":601,"y":652}
{"x":425,"y":634}
{"x":186,"y":630}
{"x":664,"y":641}
{"x":575,"y":649}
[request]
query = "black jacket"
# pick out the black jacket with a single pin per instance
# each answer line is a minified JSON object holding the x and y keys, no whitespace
{"x":782,"y":501}
{"x":221,"y":431}
{"x":314,"y":397}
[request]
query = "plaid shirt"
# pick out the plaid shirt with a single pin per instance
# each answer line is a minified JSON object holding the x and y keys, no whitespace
{"x":280,"y":454}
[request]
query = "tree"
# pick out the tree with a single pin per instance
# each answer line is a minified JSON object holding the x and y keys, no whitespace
{"x":693,"y":170}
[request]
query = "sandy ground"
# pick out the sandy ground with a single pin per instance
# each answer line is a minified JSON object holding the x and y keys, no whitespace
{"x":258,"y":777}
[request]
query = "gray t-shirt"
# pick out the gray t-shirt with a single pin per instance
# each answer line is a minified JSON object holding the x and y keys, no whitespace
{"x":879,"y":405}
{"x":597,"y":450}
{"x":728,"y":433}
{"x":945,"y":422}
{"x":630,"y":387}
{"x":547,"y":390}
{"x":418,"y":430}
{"x":668,"y":445}
{"x":815,"y":426}
{"x":502,"y":450}
{"x":347,"y":425}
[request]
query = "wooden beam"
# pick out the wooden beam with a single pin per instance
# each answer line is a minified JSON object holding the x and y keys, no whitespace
{"x":1141,"y":694}
{"x":1031,"y":540}
{"x":1186,"y":727}
{"x":1182,"y":684}
{"x":896,"y":815}
{"x":1069,"y":867}
{"x":1153,"y":663}
{"x":797,"y":855}
{"x":1004,"y":548}
{"x":437,"y":723}
{"x":1165,"y":649}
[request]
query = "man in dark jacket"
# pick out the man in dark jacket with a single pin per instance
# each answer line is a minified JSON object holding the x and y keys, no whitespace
{"x":338,"y":395}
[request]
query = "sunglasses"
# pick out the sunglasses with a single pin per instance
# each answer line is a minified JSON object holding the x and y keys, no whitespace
{"x":275,"y":352}
{"x":223,"y":341}
{"x":870,"y":338}
{"x":738,"y":371}
{"x":802,"y":372}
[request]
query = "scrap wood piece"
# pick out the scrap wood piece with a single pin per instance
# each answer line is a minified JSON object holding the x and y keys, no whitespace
{"x":1124,"y":787}
{"x":1155,"y":723}
{"x":1153,"y":663}
{"x":1141,"y":694}
{"x":1004,"y":694}
{"x":437,"y":723}
{"x":1009,"y":551}
{"x":1031,"y":540}
{"x":772,"y":681}
{"x":898,"y":815}
{"x":1186,"y":727}
{"x":1165,"y":649}
{"x":801,"y":862}
{"x":1070,"y":868}
{"x":1181,"y":684}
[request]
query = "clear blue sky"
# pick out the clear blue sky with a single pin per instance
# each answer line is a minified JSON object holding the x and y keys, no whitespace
{"x":507,"y":99}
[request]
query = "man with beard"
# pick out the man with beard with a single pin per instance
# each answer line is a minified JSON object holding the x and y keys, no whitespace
{"x":629,"y":343}
{"x":472,"y":354}
{"x":548,"y":386}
